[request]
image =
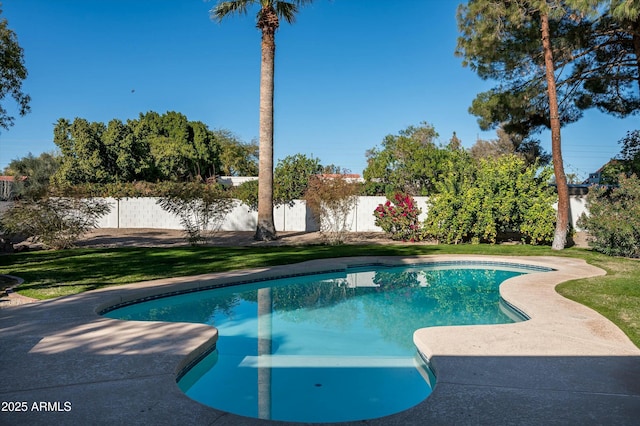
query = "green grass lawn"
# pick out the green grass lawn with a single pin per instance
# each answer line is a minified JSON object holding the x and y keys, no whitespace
{"x":50,"y":274}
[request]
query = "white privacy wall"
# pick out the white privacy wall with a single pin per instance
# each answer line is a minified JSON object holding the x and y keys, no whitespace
{"x":146,"y":213}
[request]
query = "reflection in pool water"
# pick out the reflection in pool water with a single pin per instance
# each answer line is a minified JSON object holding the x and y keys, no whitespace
{"x":327,"y":347}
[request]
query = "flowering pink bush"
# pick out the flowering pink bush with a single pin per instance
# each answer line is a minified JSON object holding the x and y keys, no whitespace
{"x":399,"y":218}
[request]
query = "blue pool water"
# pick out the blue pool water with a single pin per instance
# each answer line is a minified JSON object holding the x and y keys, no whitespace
{"x":327,"y":347}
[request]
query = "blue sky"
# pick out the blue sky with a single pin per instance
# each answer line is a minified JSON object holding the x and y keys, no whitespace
{"x":348,"y":72}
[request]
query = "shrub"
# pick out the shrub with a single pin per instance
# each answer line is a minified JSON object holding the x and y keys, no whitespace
{"x":614,"y":218}
{"x":201,"y":208}
{"x":330,"y":201}
{"x":399,"y":219}
{"x":55,"y":222}
{"x":496,"y":199}
{"x":247,"y":192}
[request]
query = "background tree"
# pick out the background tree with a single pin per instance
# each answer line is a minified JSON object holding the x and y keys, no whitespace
{"x":627,"y":162}
{"x":153,"y":147}
{"x":83,"y":156}
{"x":493,"y":148}
{"x":508,"y":144}
{"x":268,"y":21}
{"x":12,"y":73}
{"x":511,"y":42}
{"x":127,"y":145}
{"x":292,"y":176}
{"x":247,"y":192}
{"x":630,"y":153}
{"x":174,"y":149}
{"x":237,"y":158}
{"x":454,"y":142}
{"x":332,"y":169}
{"x":37,"y":171}
{"x":573,"y":178}
{"x":409,"y":162}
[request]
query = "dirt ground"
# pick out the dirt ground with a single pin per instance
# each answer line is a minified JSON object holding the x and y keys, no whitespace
{"x":144,"y":237}
{"x":148,"y":237}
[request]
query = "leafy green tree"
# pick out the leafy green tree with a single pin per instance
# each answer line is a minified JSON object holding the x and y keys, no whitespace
{"x":84,"y":158}
{"x":116,"y":138}
{"x":511,"y":42}
{"x":613,"y":221}
{"x":12,"y":73}
{"x":409,"y":162}
{"x":170,"y":145}
{"x":128,"y":157}
{"x":292,"y":176}
{"x":454,"y":142}
{"x":495,"y":199}
{"x":37,"y":171}
{"x":630,"y":153}
{"x":153,"y":147}
{"x":268,"y":21}
{"x":205,"y":160}
{"x":627,"y":162}
{"x":247,"y":192}
{"x":237,"y":158}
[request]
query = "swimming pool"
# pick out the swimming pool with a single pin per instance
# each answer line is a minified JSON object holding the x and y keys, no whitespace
{"x":328,"y":347}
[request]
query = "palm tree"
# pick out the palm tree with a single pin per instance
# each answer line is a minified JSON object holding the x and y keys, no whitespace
{"x":268,"y":18}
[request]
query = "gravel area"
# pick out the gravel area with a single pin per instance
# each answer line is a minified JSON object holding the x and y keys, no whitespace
{"x":145,"y":237}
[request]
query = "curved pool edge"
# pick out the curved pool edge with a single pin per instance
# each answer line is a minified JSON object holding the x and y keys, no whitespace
{"x":556,"y":326}
{"x":114,"y":371}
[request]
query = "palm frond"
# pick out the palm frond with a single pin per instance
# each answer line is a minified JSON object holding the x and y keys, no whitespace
{"x":289,"y":9}
{"x":230,"y":7}
{"x":301,"y":2}
{"x":286,"y":10}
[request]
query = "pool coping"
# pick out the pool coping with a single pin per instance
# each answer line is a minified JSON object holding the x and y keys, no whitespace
{"x":567,"y":364}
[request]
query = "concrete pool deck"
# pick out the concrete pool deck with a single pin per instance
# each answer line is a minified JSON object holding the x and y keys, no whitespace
{"x":62,"y":363}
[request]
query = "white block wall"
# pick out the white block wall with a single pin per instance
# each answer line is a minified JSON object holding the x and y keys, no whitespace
{"x":240,"y":219}
{"x":577,"y":206}
{"x":146,"y":213}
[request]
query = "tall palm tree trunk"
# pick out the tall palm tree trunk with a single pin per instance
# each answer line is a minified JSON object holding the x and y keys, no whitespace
{"x":562,"y":221}
{"x":266,"y":230}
